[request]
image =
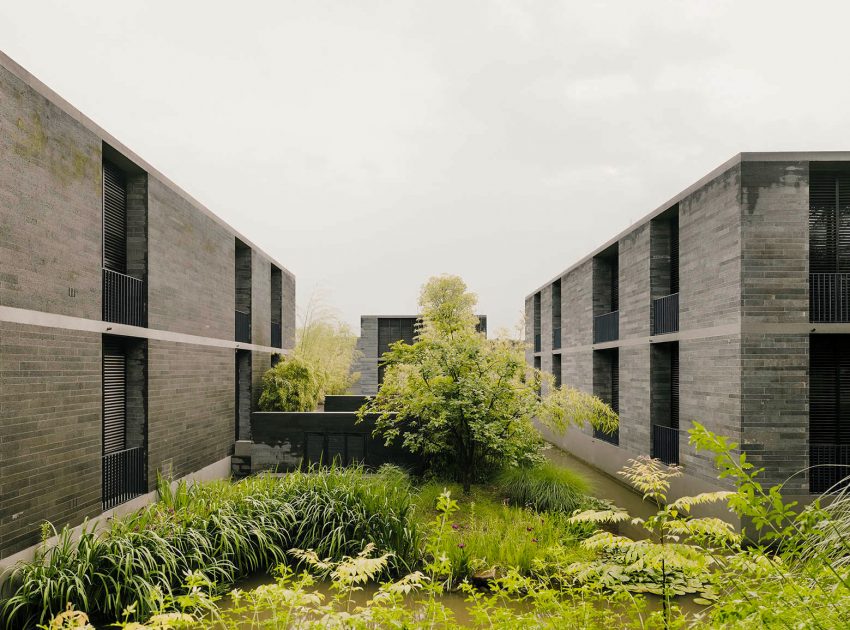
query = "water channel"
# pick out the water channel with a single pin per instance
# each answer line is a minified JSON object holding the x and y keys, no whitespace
{"x":602,"y":486}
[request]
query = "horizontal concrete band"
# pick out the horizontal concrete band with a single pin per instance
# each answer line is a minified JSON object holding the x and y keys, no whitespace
{"x":747,"y":328}
{"x":65,"y":322}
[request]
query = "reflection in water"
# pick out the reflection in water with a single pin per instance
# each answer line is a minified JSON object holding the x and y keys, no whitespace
{"x":606,"y":487}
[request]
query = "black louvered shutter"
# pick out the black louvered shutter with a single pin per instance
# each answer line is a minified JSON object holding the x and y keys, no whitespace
{"x":842,"y":202}
{"x":114,"y":396}
{"x":114,"y":219}
{"x":674,"y":386}
{"x":829,"y":389}
{"x":823,"y":222}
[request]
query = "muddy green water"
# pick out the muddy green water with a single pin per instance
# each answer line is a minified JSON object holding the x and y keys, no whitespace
{"x":606,"y":487}
{"x":602,"y":486}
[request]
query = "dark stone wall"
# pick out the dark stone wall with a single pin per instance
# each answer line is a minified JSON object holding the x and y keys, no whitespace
{"x":50,"y":206}
{"x":280,"y":439}
{"x":50,"y":430}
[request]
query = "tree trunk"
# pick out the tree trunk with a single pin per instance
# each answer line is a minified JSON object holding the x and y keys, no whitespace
{"x":467,"y":482}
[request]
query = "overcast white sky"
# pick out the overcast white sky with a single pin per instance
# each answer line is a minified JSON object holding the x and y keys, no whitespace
{"x":370,"y":145}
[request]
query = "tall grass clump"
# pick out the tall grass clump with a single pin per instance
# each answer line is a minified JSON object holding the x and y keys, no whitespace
{"x":485,"y":536}
{"x":544,"y":488}
{"x":219,"y":531}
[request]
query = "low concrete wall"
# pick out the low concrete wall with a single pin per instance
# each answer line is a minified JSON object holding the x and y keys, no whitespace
{"x":284,"y":441}
{"x":344,"y":403}
{"x":610,"y":459}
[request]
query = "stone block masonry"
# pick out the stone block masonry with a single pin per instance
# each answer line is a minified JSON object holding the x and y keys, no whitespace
{"x":744,"y":323}
{"x":180,"y":393}
{"x":50,"y":430}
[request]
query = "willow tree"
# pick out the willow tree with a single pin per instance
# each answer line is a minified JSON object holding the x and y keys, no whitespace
{"x":464,"y":403}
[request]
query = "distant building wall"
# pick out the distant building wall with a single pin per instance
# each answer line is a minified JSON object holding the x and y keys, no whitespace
{"x":181,"y":406}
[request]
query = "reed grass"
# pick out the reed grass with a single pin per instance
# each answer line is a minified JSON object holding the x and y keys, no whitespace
{"x":544,"y":488}
{"x":223,"y":530}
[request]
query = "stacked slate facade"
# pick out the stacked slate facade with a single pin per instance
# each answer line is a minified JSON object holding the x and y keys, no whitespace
{"x":182,"y":390}
{"x":745,"y":326}
{"x":377,"y":332}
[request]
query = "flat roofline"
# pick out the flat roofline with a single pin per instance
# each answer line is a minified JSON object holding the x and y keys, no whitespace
{"x":772,"y":156}
{"x":41,"y":88}
{"x":408,"y":316}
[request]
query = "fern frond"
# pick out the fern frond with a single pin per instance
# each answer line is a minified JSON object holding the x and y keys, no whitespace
{"x":683,"y":504}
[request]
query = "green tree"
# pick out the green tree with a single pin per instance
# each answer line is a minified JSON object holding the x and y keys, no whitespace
{"x":329,"y":345}
{"x":292,"y":385}
{"x":464,"y":403}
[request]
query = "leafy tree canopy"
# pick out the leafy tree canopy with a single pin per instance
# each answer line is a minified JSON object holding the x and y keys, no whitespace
{"x":466,"y":403}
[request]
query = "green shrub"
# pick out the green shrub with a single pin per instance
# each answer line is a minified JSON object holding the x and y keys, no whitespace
{"x":294,"y":384}
{"x":220,"y":530}
{"x":545,"y":488}
{"x":486,"y":534}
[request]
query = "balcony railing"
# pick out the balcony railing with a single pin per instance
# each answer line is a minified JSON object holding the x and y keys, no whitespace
{"x":611,"y":438}
{"x":829,"y":467}
{"x":277,"y":337}
{"x":665,"y":444}
{"x":124,"y":474}
{"x":556,"y":339}
{"x":606,"y":327}
{"x":124,"y":299}
{"x":537,"y":342}
{"x":243,"y":327}
{"x":665,"y":314}
{"x":829,"y":297}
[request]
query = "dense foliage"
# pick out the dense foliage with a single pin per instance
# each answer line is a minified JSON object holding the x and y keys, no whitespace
{"x":292,"y":385}
{"x":463,"y":402}
{"x":543,"y":569}
{"x":329,"y":345}
{"x":221,"y":531}
{"x":544,"y":488}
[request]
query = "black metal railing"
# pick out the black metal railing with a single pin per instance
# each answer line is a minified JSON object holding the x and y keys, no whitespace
{"x":611,"y":438}
{"x":606,"y":327}
{"x":277,"y":337}
{"x":243,"y":326}
{"x":829,"y":467}
{"x":665,"y":444}
{"x":665,"y":314}
{"x":124,"y":476}
{"x":556,"y":339}
{"x":829,"y":297}
{"x":537,"y":342}
{"x":124,"y":299}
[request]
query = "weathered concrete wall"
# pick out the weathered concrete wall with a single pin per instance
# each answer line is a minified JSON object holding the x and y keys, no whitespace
{"x":191,"y":407}
{"x":50,"y":206}
{"x":261,"y":301}
{"x":634,"y":284}
{"x":710,"y":298}
{"x":710,"y":254}
{"x":50,"y":430}
{"x":289,"y":325}
{"x":190,"y":274}
{"x":367,"y":362}
{"x":51,"y":266}
{"x":775,"y":290}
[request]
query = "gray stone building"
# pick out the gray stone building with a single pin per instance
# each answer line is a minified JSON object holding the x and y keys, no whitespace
{"x":728,"y":305}
{"x":134,"y":324}
{"x":377,"y":332}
